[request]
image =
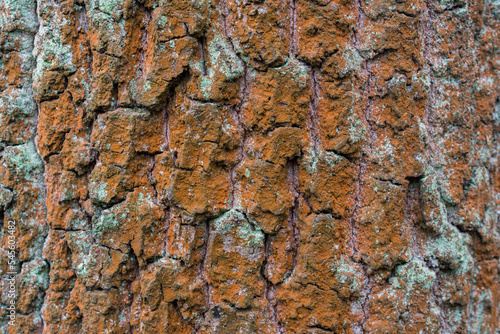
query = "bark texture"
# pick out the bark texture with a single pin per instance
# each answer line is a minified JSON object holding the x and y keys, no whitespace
{"x":237,"y":166}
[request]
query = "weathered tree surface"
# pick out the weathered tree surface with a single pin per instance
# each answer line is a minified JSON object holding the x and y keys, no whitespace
{"x":265,"y":166}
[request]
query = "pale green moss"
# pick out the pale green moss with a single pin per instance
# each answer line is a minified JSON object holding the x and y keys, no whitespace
{"x":24,"y":160}
{"x":107,"y":222}
{"x":234,"y":220}
{"x":220,"y":59}
{"x":413,"y":275}
{"x":19,"y":14}
{"x":49,"y":48}
{"x":348,"y":273}
{"x":37,"y":274}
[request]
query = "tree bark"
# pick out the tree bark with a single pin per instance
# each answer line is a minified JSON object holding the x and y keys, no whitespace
{"x":270,"y":166}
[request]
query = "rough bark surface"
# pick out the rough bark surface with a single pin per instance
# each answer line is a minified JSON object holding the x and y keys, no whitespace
{"x":266,"y":166}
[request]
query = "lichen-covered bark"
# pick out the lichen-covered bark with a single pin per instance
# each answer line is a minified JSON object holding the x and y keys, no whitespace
{"x":271,"y":166}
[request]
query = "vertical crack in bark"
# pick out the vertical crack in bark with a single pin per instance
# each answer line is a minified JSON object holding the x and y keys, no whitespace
{"x":293,"y":27}
{"x":204,"y":269}
{"x":293,"y":218}
{"x":427,"y":38}
{"x":148,"y":16}
{"x":430,"y":144}
{"x":166,"y":128}
{"x":232,"y":181}
{"x":314,"y":126}
{"x":202,"y":46}
{"x":152,"y":180}
{"x":414,"y":213}
{"x":237,"y":109}
{"x":362,"y":304}
{"x":84,"y":23}
{"x":244,"y":138}
{"x":270,"y":288}
{"x":34,"y":139}
{"x":224,"y":12}
{"x":352,"y":219}
{"x":168,"y":216}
